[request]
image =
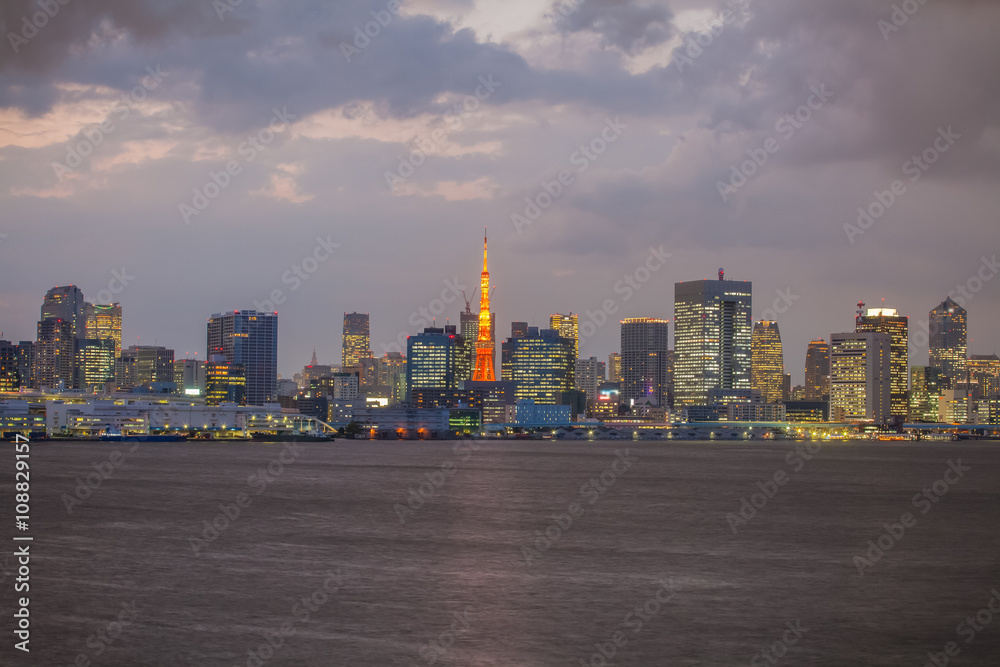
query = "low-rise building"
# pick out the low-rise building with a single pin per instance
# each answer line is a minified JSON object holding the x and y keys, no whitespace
{"x":756,"y":412}
{"x":527,"y":413}
{"x":400,"y":422}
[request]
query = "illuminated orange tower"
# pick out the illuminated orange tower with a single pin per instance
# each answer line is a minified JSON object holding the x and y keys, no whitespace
{"x":485,"y":351}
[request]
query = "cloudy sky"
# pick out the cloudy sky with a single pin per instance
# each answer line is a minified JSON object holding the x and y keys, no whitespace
{"x":186,"y":157}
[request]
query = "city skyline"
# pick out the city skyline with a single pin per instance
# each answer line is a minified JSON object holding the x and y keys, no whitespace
{"x":919,"y":338}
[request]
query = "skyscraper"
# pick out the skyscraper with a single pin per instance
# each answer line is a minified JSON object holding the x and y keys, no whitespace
{"x":368,"y":373}
{"x":125,"y":369}
{"x":357,"y":340}
{"x":540,"y":365}
{"x":860,"y":376}
{"x":712,"y":337}
{"x":392,"y":374}
{"x":8,"y":367}
{"x":644,"y":353}
{"x":947,"y":339}
{"x":925,"y":389}
{"x":225,"y":381}
{"x":589,"y":375}
{"x":95,"y":362}
{"x":888,"y":321}
{"x":767,"y":367}
{"x":615,"y":367}
{"x":26,"y":363}
{"x":105,"y":323}
{"x":984,"y":371}
{"x":153,"y":364}
{"x":469,"y":329}
{"x":66,"y":303}
{"x":568,"y":327}
{"x":250,"y":339}
{"x":55,"y":354}
{"x":189,"y":376}
{"x":485,"y":349}
{"x":432,"y":359}
{"x":518,"y":329}
{"x":817,"y":387}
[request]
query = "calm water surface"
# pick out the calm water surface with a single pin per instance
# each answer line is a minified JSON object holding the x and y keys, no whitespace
{"x":468,"y":576}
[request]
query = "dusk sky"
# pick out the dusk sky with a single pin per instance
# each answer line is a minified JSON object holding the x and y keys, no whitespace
{"x":651,"y":110}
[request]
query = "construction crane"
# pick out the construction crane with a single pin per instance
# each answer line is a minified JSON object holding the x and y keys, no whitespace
{"x":468,"y":304}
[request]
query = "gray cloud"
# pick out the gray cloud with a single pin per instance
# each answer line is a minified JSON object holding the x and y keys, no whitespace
{"x":630,"y":25}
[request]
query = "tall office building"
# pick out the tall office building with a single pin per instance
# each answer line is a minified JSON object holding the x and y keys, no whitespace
{"x":497,"y":397}
{"x":644,"y":354}
{"x":589,"y":375}
{"x":225,"y":381}
{"x":469,"y":324}
{"x":66,"y":303}
{"x":568,"y":327}
{"x":95,"y":362}
{"x":9,"y":381}
{"x":984,"y":371}
{"x":61,"y":324}
{"x":817,"y":387}
{"x":615,"y":367}
{"x":888,"y":321}
{"x":125,"y":370}
{"x":343,"y":386}
{"x":925,"y":389}
{"x":250,"y":339}
{"x":712,"y":338}
{"x":767,"y":365}
{"x":860,"y":376}
{"x":55,"y":354}
{"x":469,"y":329}
{"x":368,"y":373}
{"x":518,"y":329}
{"x":485,"y":345}
{"x":104,"y":323}
{"x":432,"y":359}
{"x":26,"y":363}
{"x":392,"y":374}
{"x":189,"y":376}
{"x":153,"y":364}
{"x":954,"y":407}
{"x":357,"y":340}
{"x":540,"y":365}
{"x":948,"y":339}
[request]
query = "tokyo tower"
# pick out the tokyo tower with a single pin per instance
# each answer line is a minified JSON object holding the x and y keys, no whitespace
{"x":485,"y":351}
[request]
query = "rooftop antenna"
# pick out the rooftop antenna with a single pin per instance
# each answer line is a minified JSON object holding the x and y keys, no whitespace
{"x":861,"y":312}
{"x":722,"y":274}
